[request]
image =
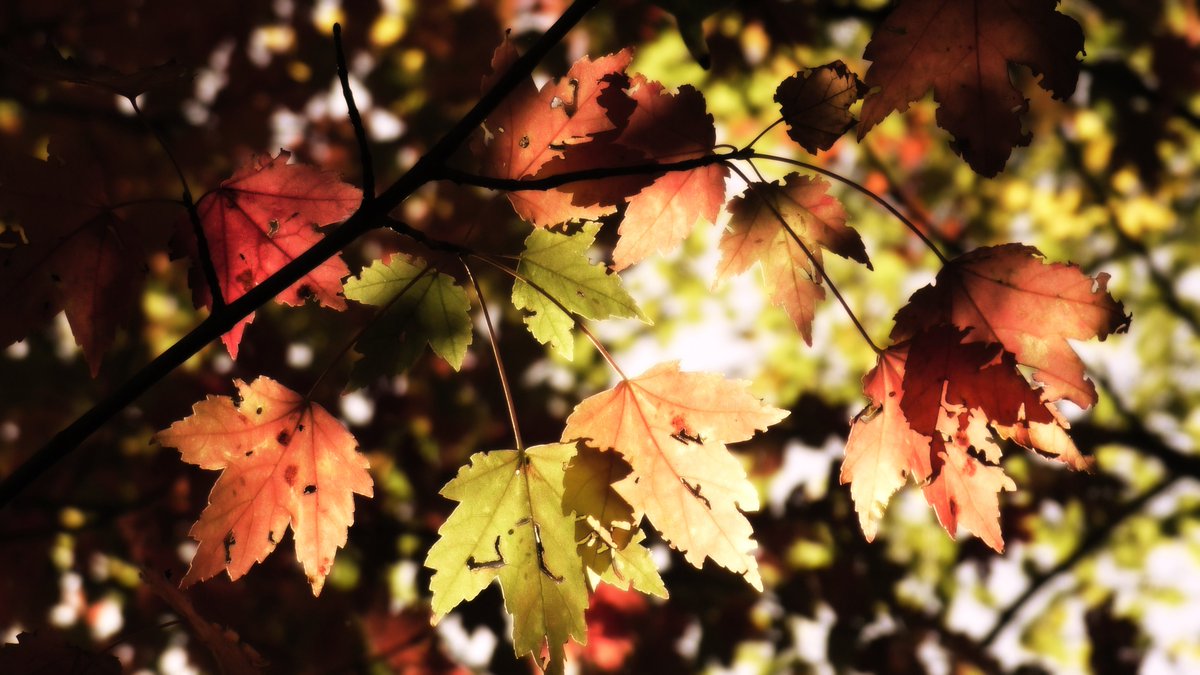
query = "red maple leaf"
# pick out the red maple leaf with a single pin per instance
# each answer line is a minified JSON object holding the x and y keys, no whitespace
{"x":668,"y":127}
{"x":262,"y":218}
{"x":568,"y":125}
{"x":962,"y":51}
{"x":1011,"y":296}
{"x":76,"y":249}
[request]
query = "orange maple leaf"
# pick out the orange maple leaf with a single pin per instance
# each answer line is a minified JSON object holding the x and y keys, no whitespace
{"x":284,"y":461}
{"x":756,"y":234}
{"x":532,"y":126}
{"x":672,"y":428}
{"x":883,"y":450}
{"x":1011,"y":296}
{"x":262,"y":218}
{"x":668,"y":127}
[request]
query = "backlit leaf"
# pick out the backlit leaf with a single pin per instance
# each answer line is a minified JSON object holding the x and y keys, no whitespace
{"x":672,"y":428}
{"x":419,"y":306}
{"x":284,"y":461}
{"x":1012,"y":296}
{"x":756,"y":234}
{"x":509,"y":524}
{"x":258,"y":221}
{"x":558,"y":265}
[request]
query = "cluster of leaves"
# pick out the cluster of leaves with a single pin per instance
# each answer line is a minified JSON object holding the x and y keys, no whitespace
{"x":553,"y":522}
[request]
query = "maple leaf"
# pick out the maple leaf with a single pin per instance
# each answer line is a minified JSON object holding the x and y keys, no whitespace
{"x":584,"y":111}
{"x":883,"y":450}
{"x":76,"y":253}
{"x":668,"y":127}
{"x":933,"y":400}
{"x":533,"y":126}
{"x":672,"y":428}
{"x":1011,"y":296}
{"x":609,"y":540}
{"x":816,"y":104}
{"x":756,"y":234}
{"x":510,"y":524}
{"x":557,"y":265}
{"x":262,"y":218}
{"x":284,"y":461}
{"x":962,"y":50}
{"x":965,"y":492}
{"x":419,"y":306}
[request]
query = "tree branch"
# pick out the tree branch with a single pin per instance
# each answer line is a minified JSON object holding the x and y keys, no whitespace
{"x":360,"y":132}
{"x":220,"y":321}
{"x":559,"y":180}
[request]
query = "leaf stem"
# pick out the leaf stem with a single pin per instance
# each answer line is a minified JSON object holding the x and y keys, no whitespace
{"x":203,"y":251}
{"x":750,"y":146}
{"x":360,"y":132}
{"x":857,"y":186}
{"x":811,"y":257}
{"x":487,"y":319}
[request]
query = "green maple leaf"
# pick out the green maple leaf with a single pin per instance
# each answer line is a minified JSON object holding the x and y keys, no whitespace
{"x":607,"y":530}
{"x":625,"y":567}
{"x":509,"y":524}
{"x":557,"y":265}
{"x":420,"y":306}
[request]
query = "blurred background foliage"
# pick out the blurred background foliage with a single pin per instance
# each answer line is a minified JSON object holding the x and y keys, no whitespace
{"x":1101,"y":573}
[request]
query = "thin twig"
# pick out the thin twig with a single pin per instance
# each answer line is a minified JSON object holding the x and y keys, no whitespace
{"x":487,"y":319}
{"x":362,"y":221}
{"x":811,"y":257}
{"x":559,"y":180}
{"x":1085,"y":548}
{"x":857,"y":186}
{"x":360,"y":132}
{"x":203,"y":251}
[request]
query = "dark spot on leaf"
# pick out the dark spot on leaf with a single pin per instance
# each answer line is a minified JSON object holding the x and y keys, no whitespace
{"x":524,"y":142}
{"x":284,"y":438}
{"x":242,"y":256}
{"x":289,"y":474}
{"x":310,"y":489}
{"x":273,"y":227}
{"x":299,"y":428}
{"x":473,"y":564}
{"x":249,"y":453}
{"x":258,"y":412}
{"x":229,"y":542}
